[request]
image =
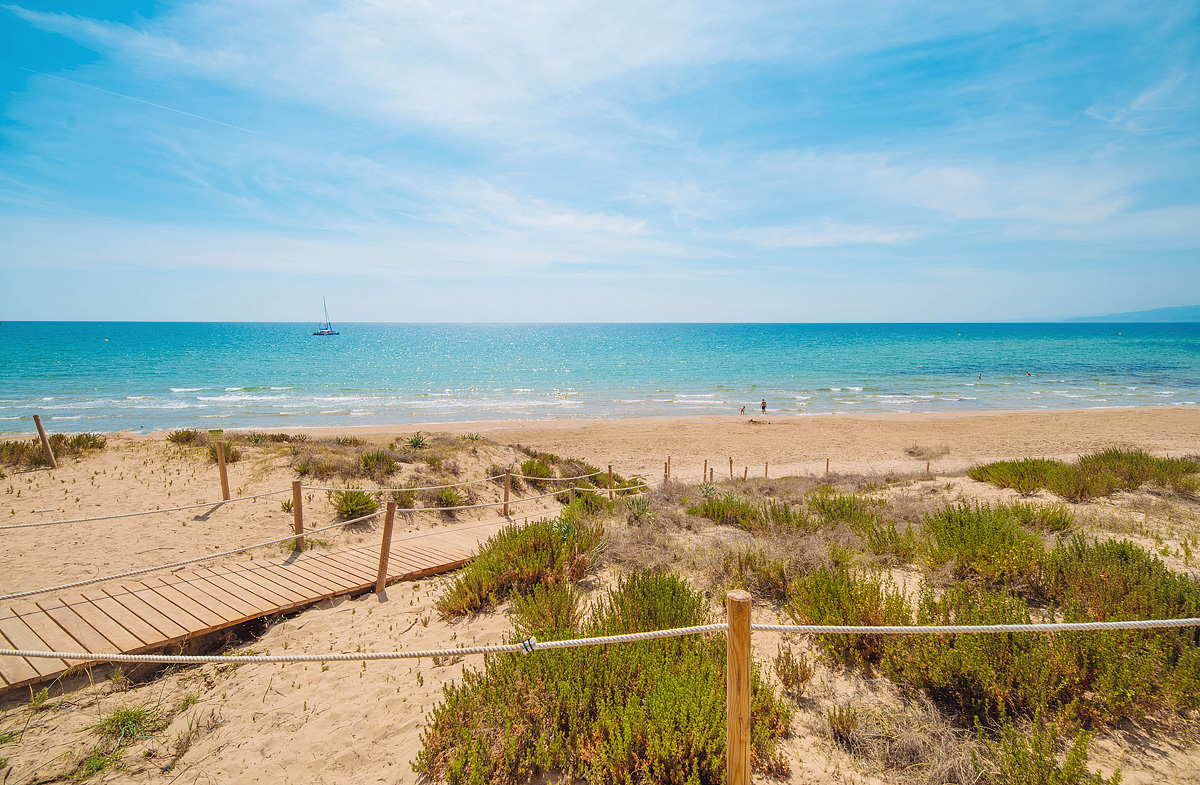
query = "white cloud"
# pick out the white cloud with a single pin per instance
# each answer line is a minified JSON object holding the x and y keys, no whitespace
{"x":819,"y":235}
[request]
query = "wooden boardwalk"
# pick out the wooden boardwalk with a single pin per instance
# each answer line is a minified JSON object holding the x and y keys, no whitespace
{"x":151,"y":614}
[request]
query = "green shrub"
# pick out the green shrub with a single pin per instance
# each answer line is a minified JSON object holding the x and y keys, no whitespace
{"x":833,"y":506}
{"x":548,"y":612}
{"x":760,"y":574}
{"x":378,"y":464}
{"x":405,"y":496}
{"x":537,"y":473}
{"x":354,"y":503}
{"x":232,"y":453}
{"x":316,"y":466}
{"x":650,"y":711}
{"x":128,"y":724}
{"x":448,"y":497}
{"x":31,"y":454}
{"x":986,"y":544}
{"x":518,"y":558}
{"x":836,"y":595}
{"x":1095,"y":475}
{"x":189,"y":437}
{"x":1023,"y":758}
{"x":843,"y":722}
{"x":728,"y":509}
{"x":348,"y":441}
{"x":637,"y":508}
{"x":416,"y":442}
{"x":794,"y":672}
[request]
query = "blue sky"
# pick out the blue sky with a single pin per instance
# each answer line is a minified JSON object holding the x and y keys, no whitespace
{"x":617,"y":161}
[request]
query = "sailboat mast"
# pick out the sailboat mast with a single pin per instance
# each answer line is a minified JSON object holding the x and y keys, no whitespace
{"x":326,"y":307}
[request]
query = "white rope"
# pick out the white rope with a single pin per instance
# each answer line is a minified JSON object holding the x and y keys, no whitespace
{"x":144,"y":512}
{"x":414,"y":488}
{"x":967,"y":629}
{"x":556,"y":479}
{"x":145,"y":570}
{"x":527,"y":646}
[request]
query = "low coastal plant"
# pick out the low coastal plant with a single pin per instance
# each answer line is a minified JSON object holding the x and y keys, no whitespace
{"x":537,"y":473}
{"x":31,"y":454}
{"x":519,"y":558}
{"x":378,"y":464}
{"x":405,"y":496}
{"x":232,"y":453}
{"x":129,"y":723}
{"x":416,"y":442}
{"x":647,"y":711}
{"x":448,"y":497}
{"x":838,"y":595}
{"x":1020,"y":757}
{"x":986,"y":544}
{"x":188,"y":437}
{"x":794,"y":672}
{"x":1095,"y":475}
{"x":353,"y":503}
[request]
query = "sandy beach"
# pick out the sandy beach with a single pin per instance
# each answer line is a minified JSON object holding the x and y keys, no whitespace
{"x":346,"y":723}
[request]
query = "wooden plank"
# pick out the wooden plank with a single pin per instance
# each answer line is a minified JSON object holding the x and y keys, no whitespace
{"x":329,"y":583}
{"x":166,"y":626}
{"x":280,"y":575}
{"x":332,"y":571}
{"x":45,"y":628}
{"x":16,"y":671}
{"x":238,"y":602}
{"x":125,"y":618}
{"x":358,"y":559}
{"x":193,"y":592}
{"x":119,"y":638}
{"x":182,"y":618}
{"x":356,"y":571}
{"x":205,"y":617}
{"x":280,"y":588}
{"x":86,"y":638}
{"x":19,"y":636}
{"x":242,"y":586}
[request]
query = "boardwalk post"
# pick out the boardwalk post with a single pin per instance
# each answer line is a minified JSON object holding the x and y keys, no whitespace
{"x":731,"y":467}
{"x":610,"y":483}
{"x":386,"y":547}
{"x":507,"y":485}
{"x":221,"y":468}
{"x":737,"y":688}
{"x":746,"y":473}
{"x":766,"y":470}
{"x":37,"y":420}
{"x":297,"y":515}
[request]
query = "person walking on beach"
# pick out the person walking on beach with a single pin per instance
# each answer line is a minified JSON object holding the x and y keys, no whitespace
{"x":743,"y":410}
{"x":764,"y":405}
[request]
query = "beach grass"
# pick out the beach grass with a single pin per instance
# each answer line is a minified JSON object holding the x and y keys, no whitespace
{"x":1092,"y":476}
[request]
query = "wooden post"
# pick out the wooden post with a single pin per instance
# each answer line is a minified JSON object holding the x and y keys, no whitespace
{"x":668,"y":466}
{"x":827,"y":466}
{"x":767,"y":469}
{"x":572,"y":501}
{"x":666,"y":471}
{"x":731,"y":467}
{"x":37,"y":420}
{"x":507,"y":485}
{"x":704,"y":474}
{"x":221,"y":468}
{"x":711,"y":472}
{"x":386,"y":547}
{"x":610,"y":483}
{"x":737,"y":688}
{"x":297,"y":515}
{"x":927,"y":467}
{"x":746,"y":473}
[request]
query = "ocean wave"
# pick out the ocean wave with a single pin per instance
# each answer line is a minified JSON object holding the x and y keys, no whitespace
{"x":186,"y":389}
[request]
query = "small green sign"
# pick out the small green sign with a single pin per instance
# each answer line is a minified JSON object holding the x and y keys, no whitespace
{"x":216,"y":433}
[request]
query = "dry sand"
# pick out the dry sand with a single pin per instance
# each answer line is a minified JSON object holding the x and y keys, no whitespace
{"x":348,"y":724}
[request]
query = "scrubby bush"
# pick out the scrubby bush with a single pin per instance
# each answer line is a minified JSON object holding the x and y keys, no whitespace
{"x":31,"y":453}
{"x":518,"y":558}
{"x":650,"y":711}
{"x":416,"y":442}
{"x":1095,"y":475}
{"x":448,"y":497}
{"x":537,"y":473}
{"x":986,"y":544}
{"x":189,"y":437}
{"x":837,"y":595}
{"x":1023,"y":757}
{"x":405,"y":496}
{"x":378,"y":464}
{"x":232,"y":453}
{"x":353,"y":503}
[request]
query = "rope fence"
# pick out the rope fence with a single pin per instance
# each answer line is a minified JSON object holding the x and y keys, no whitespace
{"x":143,"y":512}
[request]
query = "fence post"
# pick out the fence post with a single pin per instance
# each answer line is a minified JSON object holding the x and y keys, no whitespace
{"x":711,"y":472}
{"x":507,"y":485}
{"x":731,"y":467}
{"x":704,"y":474}
{"x":927,"y":467}
{"x":666,"y":471}
{"x":746,"y":473}
{"x":610,"y":483}
{"x":737,"y":688}
{"x":221,"y":468}
{"x":766,"y":470}
{"x":668,"y":467}
{"x":827,"y":466}
{"x":385,"y":548}
{"x":297,"y":515}
{"x":37,"y":420}
{"x":572,"y":497}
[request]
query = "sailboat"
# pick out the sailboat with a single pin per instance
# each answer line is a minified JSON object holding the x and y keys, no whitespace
{"x":327,"y":328}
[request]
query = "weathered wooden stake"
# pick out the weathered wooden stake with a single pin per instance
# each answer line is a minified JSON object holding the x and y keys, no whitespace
{"x":221,"y":468}
{"x":507,"y":485}
{"x":731,"y":468}
{"x":927,"y":467}
{"x":666,"y":471}
{"x":737,"y":690}
{"x":385,"y":548}
{"x":572,"y":501}
{"x":37,"y":420}
{"x":297,"y":515}
{"x":704,"y":474}
{"x":767,"y":469}
{"x":746,"y":473}
{"x":668,"y":466}
{"x":610,"y":483}
{"x":827,"y":466}
{"x":711,"y":472}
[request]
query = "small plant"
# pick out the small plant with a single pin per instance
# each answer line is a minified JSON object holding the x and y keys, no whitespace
{"x":794,"y":672}
{"x":449,"y":497}
{"x":472,"y":437}
{"x":638,"y":507}
{"x":232,"y":453}
{"x":843,"y":722}
{"x":378,"y":464}
{"x":286,"y":505}
{"x":416,"y":442}
{"x":37,"y":700}
{"x":405,"y":496}
{"x":94,"y":762}
{"x":190,"y":437}
{"x":348,"y":441}
{"x":537,"y":473}
{"x":1018,"y":758}
{"x":354,"y":503}
{"x":125,"y":724}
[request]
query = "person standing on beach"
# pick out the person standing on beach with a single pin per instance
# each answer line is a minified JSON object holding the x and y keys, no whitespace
{"x":764,"y":405}
{"x":743,"y":410}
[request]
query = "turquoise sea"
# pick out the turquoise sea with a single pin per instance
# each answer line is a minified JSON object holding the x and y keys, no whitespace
{"x":83,"y":376}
